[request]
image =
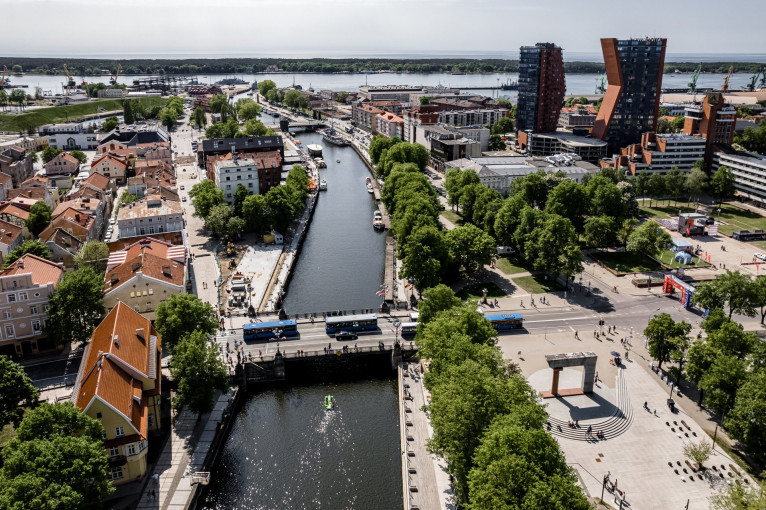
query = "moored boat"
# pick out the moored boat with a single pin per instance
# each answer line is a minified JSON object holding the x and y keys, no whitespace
{"x":377,"y":220}
{"x":314,"y":149}
{"x":329,"y":402}
{"x":322,"y":185}
{"x":335,"y":138}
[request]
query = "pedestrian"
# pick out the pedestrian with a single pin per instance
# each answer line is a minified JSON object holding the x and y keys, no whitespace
{"x":590,"y":430}
{"x":156,"y":477}
{"x":626,"y":354}
{"x":608,"y":475}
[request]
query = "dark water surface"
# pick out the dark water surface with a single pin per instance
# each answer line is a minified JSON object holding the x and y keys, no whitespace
{"x":286,"y":452}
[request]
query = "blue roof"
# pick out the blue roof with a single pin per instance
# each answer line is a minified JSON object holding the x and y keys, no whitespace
{"x":270,"y":324}
{"x":344,"y":318}
{"x":503,"y":316}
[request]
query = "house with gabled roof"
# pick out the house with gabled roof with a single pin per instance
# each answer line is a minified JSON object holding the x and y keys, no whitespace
{"x":63,"y":246}
{"x":80,"y":225}
{"x":119,"y":385}
{"x":62,"y":164}
{"x":111,"y":166}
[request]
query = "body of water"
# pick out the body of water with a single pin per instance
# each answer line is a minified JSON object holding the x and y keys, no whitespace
{"x":576,"y":83}
{"x":286,"y":451}
{"x":341,"y":264}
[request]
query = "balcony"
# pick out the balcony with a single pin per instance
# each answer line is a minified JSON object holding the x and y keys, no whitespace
{"x":117,"y":460}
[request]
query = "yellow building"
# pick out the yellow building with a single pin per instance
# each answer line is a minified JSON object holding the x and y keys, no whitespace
{"x":119,"y":385}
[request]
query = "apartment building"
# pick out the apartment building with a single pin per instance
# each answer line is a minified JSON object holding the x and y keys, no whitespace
{"x":715,"y":120}
{"x":150,"y":215}
{"x":69,"y":136}
{"x":658,"y":153}
{"x":26,"y":286}
{"x":389,"y":125}
{"x":749,"y":173}
{"x":10,"y":237}
{"x":541,"y":87}
{"x":111,"y":166}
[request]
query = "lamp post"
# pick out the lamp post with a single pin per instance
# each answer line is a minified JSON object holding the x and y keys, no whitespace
{"x":715,"y":434}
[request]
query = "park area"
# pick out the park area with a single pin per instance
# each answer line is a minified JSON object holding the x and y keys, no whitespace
{"x":622,"y":263}
{"x":732,"y":218}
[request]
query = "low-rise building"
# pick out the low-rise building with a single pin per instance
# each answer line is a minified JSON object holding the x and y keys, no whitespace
{"x":12,"y":213}
{"x":546,"y":144}
{"x":364,"y":115}
{"x":26,"y":286}
{"x":659,"y":153}
{"x":137,"y":134}
{"x":10,"y":238}
{"x":244,"y":147}
{"x":749,"y":173}
{"x":118,"y":384}
{"x":62,"y":164}
{"x":6,"y":183}
{"x":86,"y":205}
{"x":144,"y":274}
{"x":110,"y":166}
{"x":578,"y":116}
{"x":389,"y":125}
{"x":80,"y":225}
{"x":230,"y":173}
{"x":69,"y":136}
{"x":149,"y":215}
{"x":63,"y":246}
{"x":17,"y":163}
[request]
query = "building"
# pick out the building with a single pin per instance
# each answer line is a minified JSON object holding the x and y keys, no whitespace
{"x":497,"y":172}
{"x":63,"y":164}
{"x":269,"y":166}
{"x":658,"y":153}
{"x":418,"y":115}
{"x":17,"y":163}
{"x":63,"y":246}
{"x":110,"y":166}
{"x":541,"y":88}
{"x":118,"y":384}
{"x":402,"y":93}
{"x":10,"y":237}
{"x":714,"y":120}
{"x":36,"y":144}
{"x":86,"y":205}
{"x":389,"y":125}
{"x":12,"y":213}
{"x":578,"y":116}
{"x":80,"y":225}
{"x":547,"y":144}
{"x":632,"y":101}
{"x":6,"y":183}
{"x":364,"y":116}
{"x":137,"y":134}
{"x":250,"y":145}
{"x":26,"y":286}
{"x":749,"y":173}
{"x":149,"y":215}
{"x":144,"y":274}
{"x":69,"y":136}
{"x":230,"y":173}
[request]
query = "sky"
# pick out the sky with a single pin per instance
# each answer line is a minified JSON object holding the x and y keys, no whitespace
{"x":355,"y":28}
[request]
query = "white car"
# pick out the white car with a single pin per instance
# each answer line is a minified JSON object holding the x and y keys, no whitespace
{"x":760,"y":256}
{"x":182,"y":186}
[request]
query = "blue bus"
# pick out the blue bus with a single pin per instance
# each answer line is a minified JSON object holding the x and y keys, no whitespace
{"x":501,"y":321}
{"x":255,"y":330}
{"x":408,"y":328}
{"x":362,"y":322}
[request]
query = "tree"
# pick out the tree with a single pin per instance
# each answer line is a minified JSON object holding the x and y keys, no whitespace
{"x":295,"y":99}
{"x":255,"y":213}
{"x":19,"y":97}
{"x":181,"y":315}
{"x":746,"y":422}
{"x":721,"y":382}
{"x":33,"y":246}
{"x":127,"y":113}
{"x":379,"y":144}
{"x":109,"y":124}
{"x":219,"y":104}
{"x":205,"y":195}
{"x":425,"y":100}
{"x":496,"y":143}
{"x":199,"y":117}
{"x":16,"y":392}
{"x":255,"y":128}
{"x":265,"y":86}
{"x":732,"y":288}
{"x":47,"y":421}
{"x":80,"y":156}
{"x":569,"y":199}
{"x":169,"y":118}
{"x":699,"y":359}
{"x":456,"y":181}
{"x":234,"y":227}
{"x":738,"y":496}
{"x":552,"y":246}
{"x":502,"y":126}
{"x":423,"y":256}
{"x":435,"y":300}
{"x":76,"y":307}
{"x":39,"y":218}
{"x":402,"y":153}
{"x":655,"y":186}
{"x":698,"y":452}
{"x":660,"y":332}
{"x":649,"y":238}
{"x":664,"y":126}
{"x":722,"y":184}
{"x":239,"y":199}
{"x":49,"y":153}
{"x":199,"y":372}
{"x":281,"y":207}
{"x":217,"y":219}
{"x":600,"y":232}
{"x":247,"y":109}
{"x":674,"y":182}
{"x":470,"y":248}
{"x":93,"y":254}
{"x":695,"y":183}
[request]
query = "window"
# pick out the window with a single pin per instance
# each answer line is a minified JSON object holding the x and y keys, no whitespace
{"x":23,"y":296}
{"x":9,"y":331}
{"x":114,"y":451}
{"x":33,"y":309}
{"x":131,"y":449}
{"x":45,"y":308}
{"x":11,"y":298}
{"x":7,"y":314}
{"x":36,"y":326}
{"x":119,"y":431}
{"x":151,"y":421}
{"x":115,"y":473}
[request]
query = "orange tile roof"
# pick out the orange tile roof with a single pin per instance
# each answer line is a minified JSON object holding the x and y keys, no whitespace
{"x":36,"y":181}
{"x":109,"y":157}
{"x":124,"y":352}
{"x":9,"y":232}
{"x":89,"y":206}
{"x":97,"y":180}
{"x":43,"y":271}
{"x":148,"y":264}
{"x":14,"y":210}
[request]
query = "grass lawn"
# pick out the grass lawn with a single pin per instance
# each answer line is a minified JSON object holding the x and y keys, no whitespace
{"x":666,"y":257}
{"x":624,"y":262}
{"x":69,"y":113}
{"x":474,"y":291}
{"x":537,"y":284}
{"x":6,"y":434}
{"x":509,"y":265}
{"x":738,"y":219}
{"x":453,"y":217}
{"x":661,"y":210}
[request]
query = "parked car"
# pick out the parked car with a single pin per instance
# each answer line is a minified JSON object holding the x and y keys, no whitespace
{"x":183,"y":198}
{"x":760,"y":256}
{"x":346,"y":335}
{"x":182,"y":186}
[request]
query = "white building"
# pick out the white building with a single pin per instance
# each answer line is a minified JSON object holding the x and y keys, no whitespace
{"x":230,"y":173}
{"x":749,"y":172}
{"x":150,"y":215}
{"x":69,"y":136}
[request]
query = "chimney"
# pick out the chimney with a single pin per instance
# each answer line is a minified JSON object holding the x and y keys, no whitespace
{"x":140,"y":334}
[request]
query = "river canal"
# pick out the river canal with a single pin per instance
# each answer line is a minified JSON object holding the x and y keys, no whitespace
{"x":341,"y":264}
{"x":286,"y":451}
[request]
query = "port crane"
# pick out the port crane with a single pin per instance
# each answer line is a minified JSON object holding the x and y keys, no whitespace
{"x":725,"y":87}
{"x":2,"y":79}
{"x":693,"y":83}
{"x":113,"y":79}
{"x":70,"y":83}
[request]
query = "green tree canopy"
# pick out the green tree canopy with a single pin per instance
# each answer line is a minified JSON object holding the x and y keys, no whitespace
{"x":181,"y":315}
{"x":470,"y":248}
{"x":247,"y":109}
{"x":746,"y":422}
{"x":255,"y":127}
{"x":16,"y":392}
{"x":435,"y":300}
{"x":732,"y":289}
{"x":721,"y":382}
{"x":379,"y":144}
{"x":695,"y":183}
{"x":722,"y":184}
{"x":127,"y":113}
{"x":93,"y":254}
{"x":217,"y":219}
{"x":33,"y":246}
{"x":62,"y":419}
{"x":648,"y":238}
{"x":205,"y":195}
{"x":402,"y":153}
{"x":39,"y":217}
{"x":49,"y":153}
{"x":600,"y":232}
{"x":199,"y":117}
{"x":80,"y":156}
{"x":739,"y":496}
{"x":496,"y":143}
{"x":661,"y":332}
{"x":502,"y":126}
{"x":199,"y":372}
{"x":76,"y":307}
{"x":109,"y":124}
{"x":256,"y":213}
{"x":295,"y":99}
{"x":265,"y":86}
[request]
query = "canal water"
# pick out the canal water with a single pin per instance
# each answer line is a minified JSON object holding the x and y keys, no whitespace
{"x":286,"y":451}
{"x":341,"y":263}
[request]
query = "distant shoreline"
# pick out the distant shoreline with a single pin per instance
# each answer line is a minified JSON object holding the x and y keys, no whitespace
{"x":224,"y":66}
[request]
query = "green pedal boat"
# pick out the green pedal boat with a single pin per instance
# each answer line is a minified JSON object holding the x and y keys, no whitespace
{"x":329,"y":402}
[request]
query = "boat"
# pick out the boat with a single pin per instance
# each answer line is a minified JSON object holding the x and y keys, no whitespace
{"x":367,"y":180}
{"x":369,"y":189}
{"x":319,"y":162}
{"x":377,"y":220}
{"x":333,"y":137}
{"x":329,"y":402}
{"x":314,"y":149}
{"x":337,"y":161}
{"x":322,"y":185}
{"x":510,"y":85}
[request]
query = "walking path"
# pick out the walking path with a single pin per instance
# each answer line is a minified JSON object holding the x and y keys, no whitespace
{"x":183,"y":455}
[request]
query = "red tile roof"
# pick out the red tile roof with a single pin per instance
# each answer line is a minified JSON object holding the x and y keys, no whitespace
{"x":43,"y":271}
{"x":97,"y":180}
{"x":9,"y":233}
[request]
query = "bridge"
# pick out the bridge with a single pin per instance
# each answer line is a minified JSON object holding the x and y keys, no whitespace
{"x":165,"y":83}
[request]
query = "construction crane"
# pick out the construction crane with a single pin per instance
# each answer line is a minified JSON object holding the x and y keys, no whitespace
{"x":70,"y":83}
{"x":113,"y":79}
{"x":725,"y":87}
{"x":753,"y":81}
{"x":2,"y":80}
{"x":693,"y":83}
{"x":601,"y":84}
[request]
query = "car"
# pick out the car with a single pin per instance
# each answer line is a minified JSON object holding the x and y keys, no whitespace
{"x":182,"y":186}
{"x":760,"y":256}
{"x":346,"y":335}
{"x":112,"y":221}
{"x":183,"y":198}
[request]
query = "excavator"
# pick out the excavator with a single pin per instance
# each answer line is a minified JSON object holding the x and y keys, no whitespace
{"x":113,"y":79}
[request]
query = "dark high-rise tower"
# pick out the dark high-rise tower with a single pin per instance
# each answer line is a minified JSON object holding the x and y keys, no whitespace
{"x":632,"y":100}
{"x":541,"y":88}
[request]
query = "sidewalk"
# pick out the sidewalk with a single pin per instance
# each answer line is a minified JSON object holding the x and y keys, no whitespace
{"x":182,"y":456}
